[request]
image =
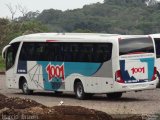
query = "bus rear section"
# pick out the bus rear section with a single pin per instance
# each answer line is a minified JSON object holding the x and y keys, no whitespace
{"x":137,"y":70}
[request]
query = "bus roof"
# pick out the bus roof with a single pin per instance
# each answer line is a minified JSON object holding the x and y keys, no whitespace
{"x":72,"y":37}
{"x":157,"y":35}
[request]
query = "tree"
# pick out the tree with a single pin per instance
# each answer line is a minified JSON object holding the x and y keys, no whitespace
{"x":22,"y":9}
{"x":4,"y":23}
{"x":11,"y":29}
{"x":12,"y":10}
{"x":124,"y":2}
{"x":29,"y":16}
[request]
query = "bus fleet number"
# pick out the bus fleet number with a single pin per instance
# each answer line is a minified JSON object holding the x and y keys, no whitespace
{"x":138,"y":70}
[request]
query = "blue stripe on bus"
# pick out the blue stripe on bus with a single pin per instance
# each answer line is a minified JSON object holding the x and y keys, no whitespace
{"x":82,"y":68}
{"x":150,"y":63}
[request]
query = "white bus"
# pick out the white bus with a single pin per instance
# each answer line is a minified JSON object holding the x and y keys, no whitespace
{"x":84,"y":64}
{"x":156,"y":38}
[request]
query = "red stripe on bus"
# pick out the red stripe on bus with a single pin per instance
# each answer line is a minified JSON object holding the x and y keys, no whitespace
{"x":136,"y":53}
{"x":51,"y":40}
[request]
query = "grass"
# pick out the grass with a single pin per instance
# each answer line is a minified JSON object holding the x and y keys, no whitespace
{"x":157,"y":116}
{"x":2,"y":65}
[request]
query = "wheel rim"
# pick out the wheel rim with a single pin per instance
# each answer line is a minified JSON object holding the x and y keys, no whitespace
{"x":25,"y":87}
{"x":79,"y":91}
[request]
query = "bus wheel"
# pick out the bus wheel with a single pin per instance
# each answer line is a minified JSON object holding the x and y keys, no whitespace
{"x":25,"y":88}
{"x":79,"y":91}
{"x":114,"y":96}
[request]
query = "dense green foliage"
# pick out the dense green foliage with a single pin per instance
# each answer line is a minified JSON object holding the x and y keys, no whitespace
{"x":11,"y":29}
{"x":2,"y":66}
{"x":112,"y":16}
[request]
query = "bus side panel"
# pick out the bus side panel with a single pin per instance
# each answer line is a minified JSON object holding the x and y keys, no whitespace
{"x":31,"y":73}
{"x":101,"y":81}
{"x":60,"y":76}
{"x":105,"y":76}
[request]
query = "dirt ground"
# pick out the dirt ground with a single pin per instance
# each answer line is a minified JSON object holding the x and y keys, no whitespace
{"x":26,"y":109}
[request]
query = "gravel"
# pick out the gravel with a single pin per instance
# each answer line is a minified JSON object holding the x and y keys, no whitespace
{"x":145,"y":102}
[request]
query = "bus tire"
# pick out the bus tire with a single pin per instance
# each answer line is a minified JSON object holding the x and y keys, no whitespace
{"x":79,"y":91}
{"x":25,"y":88}
{"x":114,"y":96}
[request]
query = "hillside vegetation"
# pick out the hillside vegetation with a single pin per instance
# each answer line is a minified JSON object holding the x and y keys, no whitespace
{"x":112,"y":16}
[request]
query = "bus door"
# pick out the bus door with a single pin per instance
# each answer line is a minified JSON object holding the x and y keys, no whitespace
{"x":11,"y":52}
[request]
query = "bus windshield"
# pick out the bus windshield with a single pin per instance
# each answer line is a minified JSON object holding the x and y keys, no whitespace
{"x":135,"y":46}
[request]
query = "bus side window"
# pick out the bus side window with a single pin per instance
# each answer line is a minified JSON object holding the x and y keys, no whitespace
{"x":157,"y":45}
{"x":103,"y":52}
{"x":40,"y":51}
{"x":59,"y":52}
{"x":74,"y":52}
{"x":67,"y":52}
{"x":23,"y":55}
{"x":27,"y":52}
{"x":86,"y":52}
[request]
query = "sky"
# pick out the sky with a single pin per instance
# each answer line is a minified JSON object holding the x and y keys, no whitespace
{"x":34,"y":5}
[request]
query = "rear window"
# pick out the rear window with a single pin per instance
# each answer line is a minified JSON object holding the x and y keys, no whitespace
{"x":135,"y":45}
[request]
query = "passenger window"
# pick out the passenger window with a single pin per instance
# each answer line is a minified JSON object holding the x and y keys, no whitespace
{"x":67,"y":52}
